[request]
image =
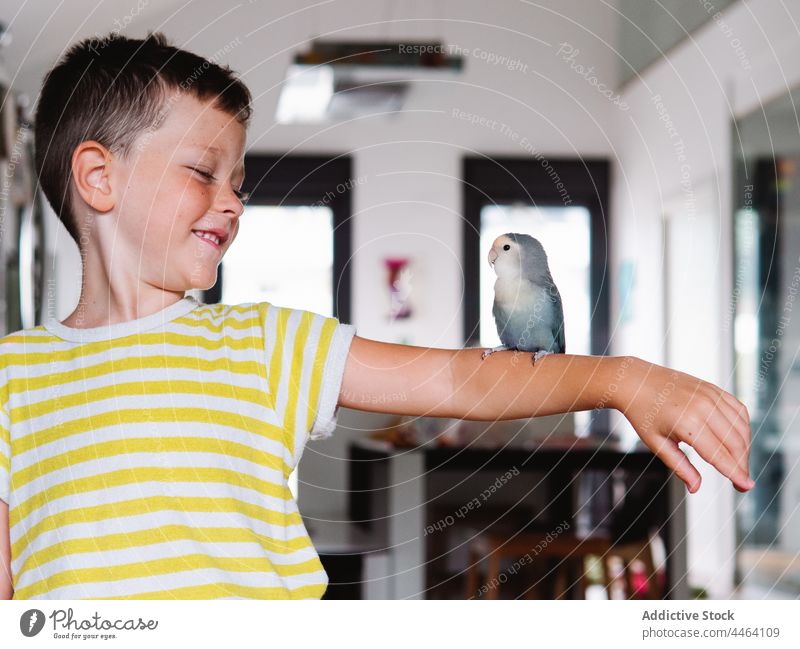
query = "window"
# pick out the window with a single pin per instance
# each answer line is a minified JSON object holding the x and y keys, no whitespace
{"x":293,"y":234}
{"x":282,"y":255}
{"x":563,"y":204}
{"x":764,"y":314}
{"x":565,"y":234}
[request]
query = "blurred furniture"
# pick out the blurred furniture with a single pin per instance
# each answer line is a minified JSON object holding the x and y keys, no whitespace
{"x":569,"y":570}
{"x":414,"y":498}
{"x":349,"y":555}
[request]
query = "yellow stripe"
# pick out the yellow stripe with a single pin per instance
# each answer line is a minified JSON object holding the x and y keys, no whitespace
{"x":165,"y":566}
{"x":166,"y":533}
{"x":275,"y":362}
{"x":147,"y":474}
{"x":296,"y":372}
{"x":217,"y":309}
{"x":139,"y":506}
{"x":326,"y":336}
{"x":5,"y":435}
{"x":216,"y":326}
{"x":143,"y":339}
{"x":165,"y":388}
{"x":155,"y":362}
{"x":218,"y":591}
{"x":26,"y":337}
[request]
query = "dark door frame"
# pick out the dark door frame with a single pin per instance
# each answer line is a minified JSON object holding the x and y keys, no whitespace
{"x":306,"y":180}
{"x":541,"y":182}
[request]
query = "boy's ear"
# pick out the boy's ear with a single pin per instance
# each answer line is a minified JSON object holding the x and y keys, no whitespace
{"x":91,"y":173}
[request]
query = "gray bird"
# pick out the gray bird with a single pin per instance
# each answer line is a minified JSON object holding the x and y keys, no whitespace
{"x":527,"y":305}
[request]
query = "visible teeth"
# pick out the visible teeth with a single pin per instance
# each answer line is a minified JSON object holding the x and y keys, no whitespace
{"x":207,"y":235}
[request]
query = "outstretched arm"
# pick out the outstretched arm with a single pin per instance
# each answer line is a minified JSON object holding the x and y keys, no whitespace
{"x":664,"y":406}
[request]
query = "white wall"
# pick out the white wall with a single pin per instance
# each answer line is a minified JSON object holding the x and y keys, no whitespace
{"x":704,"y":84}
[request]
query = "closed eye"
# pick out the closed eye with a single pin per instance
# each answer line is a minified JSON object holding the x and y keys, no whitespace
{"x":205,"y":174}
{"x":242,"y":196}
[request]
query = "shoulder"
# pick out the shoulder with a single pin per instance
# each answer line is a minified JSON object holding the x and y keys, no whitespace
{"x":271,"y":317}
{"x":19,"y":350}
{"x":23,"y":338}
{"x":38,"y":330}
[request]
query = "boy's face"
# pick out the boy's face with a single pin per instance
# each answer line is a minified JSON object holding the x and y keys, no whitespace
{"x":179,"y":180}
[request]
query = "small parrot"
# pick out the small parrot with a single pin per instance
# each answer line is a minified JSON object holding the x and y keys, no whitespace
{"x":527,"y":305}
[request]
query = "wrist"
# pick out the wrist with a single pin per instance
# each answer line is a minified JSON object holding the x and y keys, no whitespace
{"x":623,"y":379}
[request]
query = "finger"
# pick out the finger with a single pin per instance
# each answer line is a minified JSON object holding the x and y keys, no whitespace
{"x":729,"y":433}
{"x":742,"y":416}
{"x":723,"y":422}
{"x":733,"y":444}
{"x":727,"y":403}
{"x":676,"y":459}
{"x":710,"y":448}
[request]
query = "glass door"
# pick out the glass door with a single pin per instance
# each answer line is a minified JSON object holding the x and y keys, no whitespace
{"x":766,"y":310}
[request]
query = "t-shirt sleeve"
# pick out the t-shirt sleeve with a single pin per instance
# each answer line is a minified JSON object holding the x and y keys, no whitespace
{"x":327,"y":384}
{"x":5,"y":455}
{"x":306,"y":354}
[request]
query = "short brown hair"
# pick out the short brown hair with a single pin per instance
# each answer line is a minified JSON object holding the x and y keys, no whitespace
{"x":111,"y":90}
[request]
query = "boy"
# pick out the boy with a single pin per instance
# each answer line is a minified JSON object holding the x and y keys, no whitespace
{"x":146,"y":440}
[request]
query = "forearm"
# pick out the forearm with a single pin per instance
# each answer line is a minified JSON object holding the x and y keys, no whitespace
{"x":506,"y":385}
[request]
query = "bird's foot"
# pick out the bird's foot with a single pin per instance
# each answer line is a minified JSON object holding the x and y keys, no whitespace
{"x":540,"y":354}
{"x":492,"y":350}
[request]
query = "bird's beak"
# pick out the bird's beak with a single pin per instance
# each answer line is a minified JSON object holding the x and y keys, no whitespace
{"x":492,"y":257}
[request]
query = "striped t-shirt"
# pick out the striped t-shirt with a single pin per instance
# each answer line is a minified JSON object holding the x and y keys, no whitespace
{"x":149,"y":459}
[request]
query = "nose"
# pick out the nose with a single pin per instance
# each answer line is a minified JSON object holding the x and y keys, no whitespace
{"x":492,"y":256}
{"x":228,"y":203}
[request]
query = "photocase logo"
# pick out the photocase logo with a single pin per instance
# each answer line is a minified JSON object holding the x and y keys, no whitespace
{"x":31,"y":622}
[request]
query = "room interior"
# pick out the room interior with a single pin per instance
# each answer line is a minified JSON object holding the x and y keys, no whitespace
{"x":653,"y":148}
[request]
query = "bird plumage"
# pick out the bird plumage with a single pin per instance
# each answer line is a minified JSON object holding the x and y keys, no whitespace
{"x":527,"y":307}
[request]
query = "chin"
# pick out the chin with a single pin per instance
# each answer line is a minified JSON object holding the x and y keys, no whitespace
{"x":203,"y":285}
{"x":202,"y":279}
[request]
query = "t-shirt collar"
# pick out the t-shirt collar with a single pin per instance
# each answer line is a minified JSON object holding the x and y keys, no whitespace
{"x":120,"y":329}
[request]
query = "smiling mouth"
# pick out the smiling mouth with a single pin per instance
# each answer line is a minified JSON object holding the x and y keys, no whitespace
{"x":209,"y":237}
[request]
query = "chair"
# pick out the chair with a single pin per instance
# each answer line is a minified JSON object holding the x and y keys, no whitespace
{"x":570,"y":552}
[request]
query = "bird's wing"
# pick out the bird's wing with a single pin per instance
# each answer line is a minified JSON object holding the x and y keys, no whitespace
{"x":558,"y":319}
{"x":501,"y":316}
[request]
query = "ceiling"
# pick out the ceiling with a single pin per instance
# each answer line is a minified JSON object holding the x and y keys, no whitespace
{"x":39,"y":36}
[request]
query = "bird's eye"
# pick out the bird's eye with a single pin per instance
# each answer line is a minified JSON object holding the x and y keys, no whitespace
{"x":506,"y":247}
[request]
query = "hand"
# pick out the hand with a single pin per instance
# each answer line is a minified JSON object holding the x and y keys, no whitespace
{"x":666,"y":407}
